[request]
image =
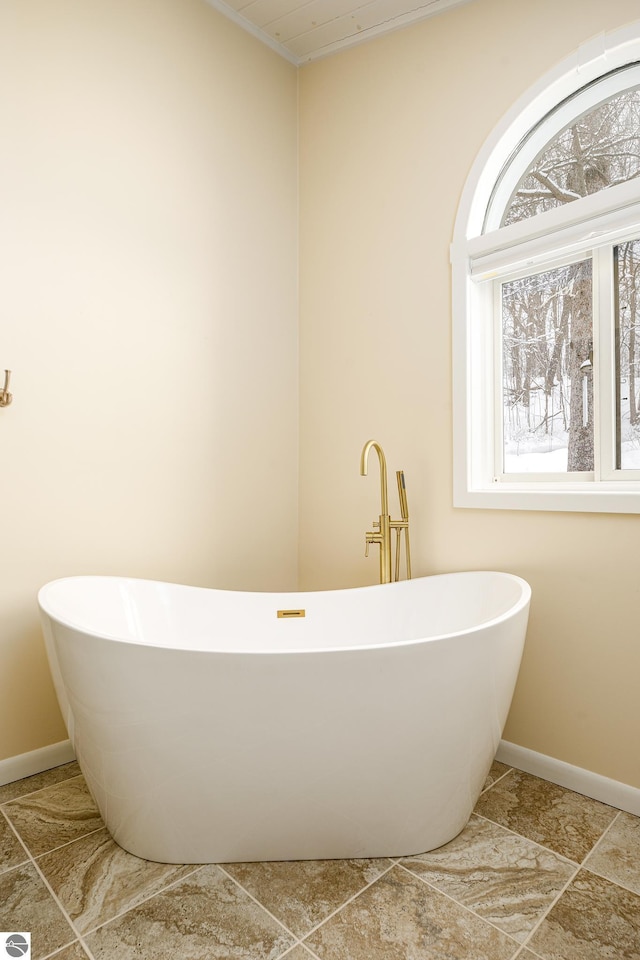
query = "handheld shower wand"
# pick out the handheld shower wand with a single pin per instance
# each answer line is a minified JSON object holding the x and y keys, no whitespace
{"x":402,"y":525}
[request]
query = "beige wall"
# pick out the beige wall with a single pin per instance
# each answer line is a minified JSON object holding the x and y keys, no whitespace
{"x":148,"y":309}
{"x":388,"y":133}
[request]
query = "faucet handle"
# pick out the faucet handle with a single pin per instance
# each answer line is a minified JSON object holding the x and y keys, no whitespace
{"x":369,"y":538}
{"x":5,"y":396}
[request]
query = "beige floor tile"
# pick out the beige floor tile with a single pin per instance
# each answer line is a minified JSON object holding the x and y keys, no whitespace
{"x":504,"y":878}
{"x":11,"y":851}
{"x":27,"y":906}
{"x":302,"y":893}
{"x":18,"y":788}
{"x":204,"y":917}
{"x":53,"y":816}
{"x":617,"y":856}
{"x":560,"y":819}
{"x":299,"y":953}
{"x":497,"y":770}
{"x":95,"y":879}
{"x":398,"y":917}
{"x":594,"y":919}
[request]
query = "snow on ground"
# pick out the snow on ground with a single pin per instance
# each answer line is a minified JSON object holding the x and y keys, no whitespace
{"x":555,"y":461}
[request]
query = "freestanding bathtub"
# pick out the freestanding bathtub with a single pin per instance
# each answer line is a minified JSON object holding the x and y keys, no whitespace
{"x":215,"y":725}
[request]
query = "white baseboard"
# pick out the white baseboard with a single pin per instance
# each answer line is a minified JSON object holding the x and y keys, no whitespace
{"x":616,"y":794}
{"x":590,"y":784}
{"x":36,"y":761}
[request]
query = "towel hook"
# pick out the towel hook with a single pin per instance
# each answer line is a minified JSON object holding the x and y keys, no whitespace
{"x":5,"y":396}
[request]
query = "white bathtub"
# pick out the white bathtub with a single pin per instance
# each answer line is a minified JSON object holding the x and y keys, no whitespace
{"x":210,"y":729}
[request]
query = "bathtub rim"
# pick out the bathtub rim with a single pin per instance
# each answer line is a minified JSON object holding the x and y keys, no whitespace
{"x":284,"y":597}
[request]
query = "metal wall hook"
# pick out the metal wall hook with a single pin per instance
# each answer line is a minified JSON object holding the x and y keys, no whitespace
{"x":5,"y":396}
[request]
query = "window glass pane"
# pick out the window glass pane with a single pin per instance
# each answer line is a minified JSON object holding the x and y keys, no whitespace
{"x":598,"y":150}
{"x":547,"y":371}
{"x":627,"y":286}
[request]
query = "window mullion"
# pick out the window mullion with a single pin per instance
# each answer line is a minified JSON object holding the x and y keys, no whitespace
{"x":498,"y":381}
{"x":604,"y":363}
{"x":482,"y":378}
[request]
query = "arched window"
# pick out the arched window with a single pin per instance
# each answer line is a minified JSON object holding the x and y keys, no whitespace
{"x":546,"y":295}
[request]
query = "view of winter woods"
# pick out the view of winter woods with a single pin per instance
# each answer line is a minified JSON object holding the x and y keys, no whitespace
{"x":547,"y":317}
{"x":547,"y":374}
{"x":627,"y":280}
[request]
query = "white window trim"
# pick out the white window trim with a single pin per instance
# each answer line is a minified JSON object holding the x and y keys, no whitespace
{"x":476,"y":256}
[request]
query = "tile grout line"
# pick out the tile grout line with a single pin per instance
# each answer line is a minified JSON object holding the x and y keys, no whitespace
{"x":280,"y":923}
{"x":8,"y":803}
{"x":174,"y":883}
{"x":20,"y":841}
{"x":463,"y":906}
{"x":32,"y":861}
{"x":614,"y":883}
{"x":67,"y":917}
{"x":497,"y":780}
{"x":333,"y":913}
{"x":521,"y":951}
{"x":294,"y":946}
{"x":601,"y":838}
{"x":31,"y":857}
{"x":597,"y":844}
{"x":546,"y":913}
{"x":68,"y":843}
{"x":514,"y":833}
{"x":30,"y":793}
{"x":72,"y":776}
{"x":60,"y":950}
{"x":300,"y":940}
{"x":305,"y":947}
{"x":580,"y":866}
{"x":197,"y":867}
{"x":594,"y":873}
{"x":562,"y":856}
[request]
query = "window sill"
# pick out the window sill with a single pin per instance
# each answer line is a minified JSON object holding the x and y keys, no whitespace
{"x":618,"y":497}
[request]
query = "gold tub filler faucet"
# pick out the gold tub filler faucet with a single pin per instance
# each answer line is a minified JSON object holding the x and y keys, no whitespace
{"x":384,"y":523}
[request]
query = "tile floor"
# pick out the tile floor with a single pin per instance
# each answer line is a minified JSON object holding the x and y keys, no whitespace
{"x":539,"y":872}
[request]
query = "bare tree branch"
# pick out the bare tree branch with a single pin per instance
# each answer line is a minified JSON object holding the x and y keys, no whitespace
{"x":564,"y":196}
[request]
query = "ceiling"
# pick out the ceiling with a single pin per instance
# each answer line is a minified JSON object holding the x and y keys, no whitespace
{"x":304,"y":30}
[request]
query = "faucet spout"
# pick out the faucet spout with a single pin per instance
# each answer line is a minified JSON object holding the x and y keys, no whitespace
{"x":383,"y":536}
{"x":364,"y":463}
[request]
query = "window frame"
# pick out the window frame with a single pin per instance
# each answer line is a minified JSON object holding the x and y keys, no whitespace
{"x":481,"y":259}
